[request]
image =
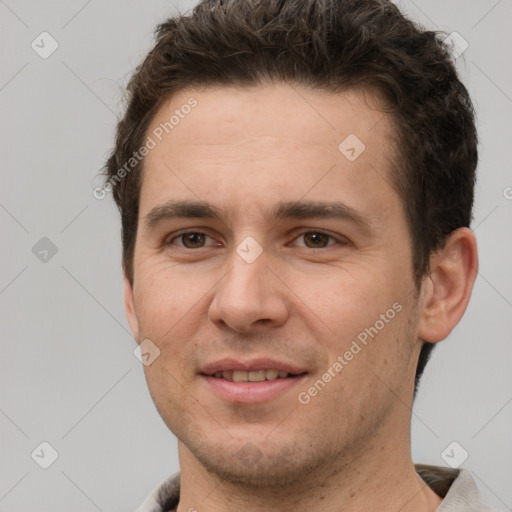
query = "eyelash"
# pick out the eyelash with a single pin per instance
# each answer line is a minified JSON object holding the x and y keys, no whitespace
{"x":183,"y":233}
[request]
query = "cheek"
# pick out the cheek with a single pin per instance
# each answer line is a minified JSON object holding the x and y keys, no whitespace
{"x":342,"y":302}
{"x":388,"y":355}
{"x":370,"y":329}
{"x":166,"y":298}
{"x":367,"y":386}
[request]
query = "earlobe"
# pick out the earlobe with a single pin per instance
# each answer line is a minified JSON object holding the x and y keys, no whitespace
{"x":129,"y":306}
{"x":447,"y":289}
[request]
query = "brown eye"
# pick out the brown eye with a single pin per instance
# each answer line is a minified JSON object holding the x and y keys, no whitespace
{"x":193,"y":240}
{"x":190,"y":240}
{"x":316,"y":240}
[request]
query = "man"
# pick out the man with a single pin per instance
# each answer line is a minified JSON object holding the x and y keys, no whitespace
{"x":295,"y":181}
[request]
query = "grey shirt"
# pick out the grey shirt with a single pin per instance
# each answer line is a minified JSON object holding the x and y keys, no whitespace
{"x":455,"y":486}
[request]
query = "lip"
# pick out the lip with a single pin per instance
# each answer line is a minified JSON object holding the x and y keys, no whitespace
{"x":250,"y":366}
{"x":251,"y":392}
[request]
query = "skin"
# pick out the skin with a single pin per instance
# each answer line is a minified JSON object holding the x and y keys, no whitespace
{"x":302,"y":300}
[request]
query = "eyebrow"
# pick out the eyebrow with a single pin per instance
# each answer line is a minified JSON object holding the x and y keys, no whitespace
{"x":282,"y":210}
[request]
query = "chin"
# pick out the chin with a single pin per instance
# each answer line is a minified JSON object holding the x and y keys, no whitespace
{"x":266,"y":465}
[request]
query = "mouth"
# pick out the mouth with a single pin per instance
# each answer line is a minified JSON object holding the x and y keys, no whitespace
{"x":253,"y":376}
{"x":252,"y":381}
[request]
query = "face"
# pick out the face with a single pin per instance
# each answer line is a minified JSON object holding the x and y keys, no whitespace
{"x":270,"y":240}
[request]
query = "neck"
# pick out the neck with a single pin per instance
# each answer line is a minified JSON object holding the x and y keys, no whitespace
{"x":382,"y":477}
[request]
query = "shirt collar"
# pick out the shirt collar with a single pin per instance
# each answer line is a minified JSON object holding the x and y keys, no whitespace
{"x":455,"y":486}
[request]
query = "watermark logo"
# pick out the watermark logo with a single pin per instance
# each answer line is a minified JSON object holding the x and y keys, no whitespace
{"x":44,"y":455}
{"x":249,"y":454}
{"x":456,"y":44}
{"x":454,"y":454}
{"x":44,"y":45}
{"x":44,"y":250}
{"x":351,"y":147}
{"x":249,"y":249}
{"x":146,"y":352}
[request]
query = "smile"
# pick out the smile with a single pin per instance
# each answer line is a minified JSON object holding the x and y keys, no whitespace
{"x":252,"y":376}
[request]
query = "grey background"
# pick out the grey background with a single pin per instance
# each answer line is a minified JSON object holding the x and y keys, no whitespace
{"x":68,"y":375}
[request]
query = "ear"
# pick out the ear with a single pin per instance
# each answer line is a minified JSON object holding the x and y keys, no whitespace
{"x":129,"y":306}
{"x":447,"y":289}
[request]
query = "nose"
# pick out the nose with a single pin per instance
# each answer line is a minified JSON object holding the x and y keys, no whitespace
{"x":250,"y":295}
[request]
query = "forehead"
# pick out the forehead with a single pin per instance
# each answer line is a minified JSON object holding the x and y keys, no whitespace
{"x":267,"y":141}
{"x":229,"y":113}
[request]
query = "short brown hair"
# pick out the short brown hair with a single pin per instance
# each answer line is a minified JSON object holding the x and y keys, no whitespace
{"x":330,"y":45}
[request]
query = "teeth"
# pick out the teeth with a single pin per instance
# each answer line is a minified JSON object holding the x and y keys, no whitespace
{"x":271,"y":374}
{"x":257,"y":376}
{"x":254,"y":376}
{"x":239,"y":376}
